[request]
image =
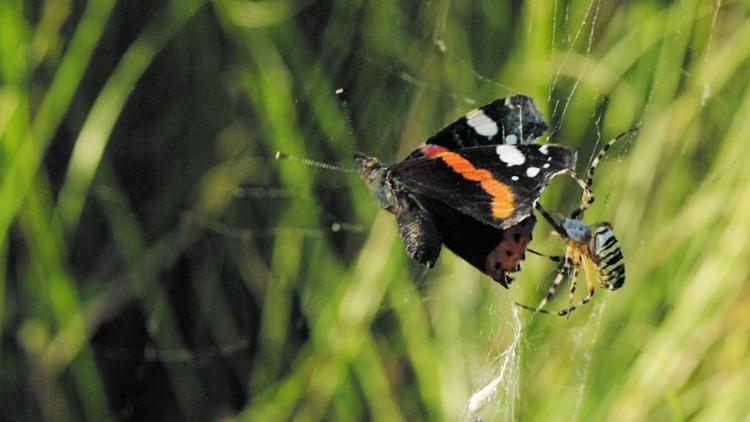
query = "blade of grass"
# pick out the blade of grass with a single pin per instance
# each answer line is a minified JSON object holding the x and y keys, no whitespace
{"x":92,"y":140}
{"x":25,"y":162}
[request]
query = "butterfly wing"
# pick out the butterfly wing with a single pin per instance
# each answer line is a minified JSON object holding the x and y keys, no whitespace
{"x":496,"y":185}
{"x":494,"y":251}
{"x":512,"y":121}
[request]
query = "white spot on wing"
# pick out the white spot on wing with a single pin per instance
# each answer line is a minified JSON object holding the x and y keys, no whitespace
{"x":510,"y":155}
{"x":481,"y":123}
{"x":546,"y":165}
{"x":479,"y":120}
{"x":487,"y":129}
{"x":532,"y":171}
{"x":543,"y":149}
{"x":511,"y":139}
{"x":514,"y":178}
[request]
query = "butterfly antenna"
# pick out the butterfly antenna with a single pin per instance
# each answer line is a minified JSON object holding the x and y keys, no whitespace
{"x":341,"y":94}
{"x":312,"y":163}
{"x":344,"y":104}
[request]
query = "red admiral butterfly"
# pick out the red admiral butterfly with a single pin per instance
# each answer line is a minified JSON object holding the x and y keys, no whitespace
{"x":472,"y":186}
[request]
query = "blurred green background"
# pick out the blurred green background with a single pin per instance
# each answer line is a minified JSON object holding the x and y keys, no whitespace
{"x":160,"y":265}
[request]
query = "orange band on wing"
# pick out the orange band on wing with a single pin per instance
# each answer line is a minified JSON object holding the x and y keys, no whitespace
{"x":502,"y":197}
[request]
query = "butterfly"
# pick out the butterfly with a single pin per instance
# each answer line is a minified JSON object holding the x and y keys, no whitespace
{"x":472,"y":186}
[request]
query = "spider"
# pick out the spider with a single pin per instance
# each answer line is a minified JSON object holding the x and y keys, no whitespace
{"x":595,"y":247}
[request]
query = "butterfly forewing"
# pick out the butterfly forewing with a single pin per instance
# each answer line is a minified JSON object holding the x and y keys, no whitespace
{"x":496,"y":185}
{"x":512,"y":120}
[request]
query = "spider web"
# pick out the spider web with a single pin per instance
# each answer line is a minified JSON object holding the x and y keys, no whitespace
{"x":497,"y":388}
{"x":497,"y":398}
{"x":502,"y":389}
{"x":500,"y":392}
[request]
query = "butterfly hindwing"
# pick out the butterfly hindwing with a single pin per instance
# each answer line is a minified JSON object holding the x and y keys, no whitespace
{"x":494,"y":251}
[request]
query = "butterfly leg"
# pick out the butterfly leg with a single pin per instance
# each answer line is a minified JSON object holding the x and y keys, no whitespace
{"x":419,"y":233}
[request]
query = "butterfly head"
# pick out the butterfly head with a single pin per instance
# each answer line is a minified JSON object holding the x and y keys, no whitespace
{"x":375,"y":175}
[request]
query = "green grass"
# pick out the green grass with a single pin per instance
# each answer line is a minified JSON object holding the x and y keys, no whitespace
{"x":159,"y":264}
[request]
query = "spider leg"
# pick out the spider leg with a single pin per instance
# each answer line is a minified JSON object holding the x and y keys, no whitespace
{"x":588,"y":197}
{"x":563,"y":312}
{"x":567,"y":311}
{"x":531,"y":308}
{"x":566,"y":270}
{"x":553,"y":258}
{"x":550,"y":219}
{"x":590,"y":285}
{"x":573,"y":281}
